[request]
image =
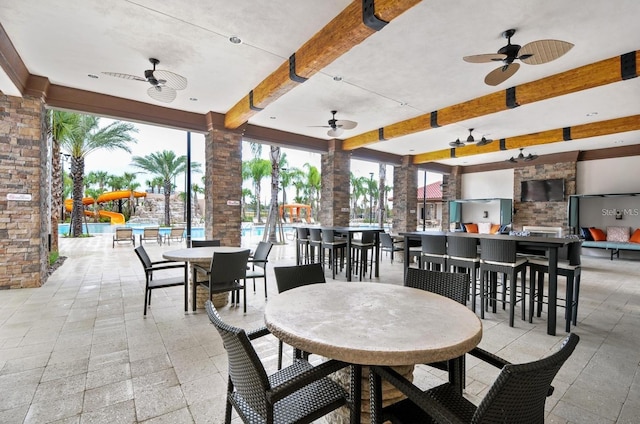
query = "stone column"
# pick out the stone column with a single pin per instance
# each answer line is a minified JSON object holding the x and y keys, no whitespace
{"x":405,"y":196}
{"x":335,"y":194}
{"x":451,"y":190}
{"x":223,"y":186}
{"x":23,"y":192}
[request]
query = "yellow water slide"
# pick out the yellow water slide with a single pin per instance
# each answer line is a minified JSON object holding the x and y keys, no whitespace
{"x":115,"y":217}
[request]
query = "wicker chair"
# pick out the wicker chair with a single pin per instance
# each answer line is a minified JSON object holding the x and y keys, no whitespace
{"x":500,"y":257}
{"x":227,"y":273}
{"x":434,"y":252}
{"x":462,"y":254}
{"x":388,"y":245}
{"x":290,"y":277}
{"x":159,"y":266}
{"x":517,"y":395}
{"x":258,"y":262}
{"x":360,"y":250}
{"x":300,"y":393}
{"x":336,"y":247}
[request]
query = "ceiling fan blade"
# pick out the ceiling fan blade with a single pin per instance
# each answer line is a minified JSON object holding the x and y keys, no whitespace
{"x":498,"y":76}
{"x":173,"y":80}
{"x":484,"y":141}
{"x":543,"y":51}
{"x":125,"y":76}
{"x":346,"y":124}
{"x":162,"y":93}
{"x":484,"y":58}
{"x":335,"y":132}
{"x":456,"y":143}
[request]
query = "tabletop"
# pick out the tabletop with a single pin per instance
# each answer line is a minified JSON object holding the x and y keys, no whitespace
{"x":373,"y":324}
{"x":199,"y":254}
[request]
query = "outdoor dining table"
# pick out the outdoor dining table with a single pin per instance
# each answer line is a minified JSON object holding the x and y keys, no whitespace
{"x":349,"y":232}
{"x":374,"y":324}
{"x":201,"y":256}
{"x":542,"y":244}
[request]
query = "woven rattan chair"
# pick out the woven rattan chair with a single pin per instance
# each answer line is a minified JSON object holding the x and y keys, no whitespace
{"x":462,"y":254}
{"x":258,"y":264}
{"x":434,"y":252}
{"x":387,"y":244}
{"x":517,"y":395}
{"x":300,"y":393}
{"x":362,"y":253}
{"x":227,"y":273}
{"x":569,"y":266}
{"x":158,"y":267}
{"x":205,"y":243}
{"x":499,"y":256}
{"x":290,"y":277}
{"x":336,"y":247}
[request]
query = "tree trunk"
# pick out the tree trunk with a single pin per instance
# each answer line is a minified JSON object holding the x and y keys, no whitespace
{"x":382,"y":172}
{"x":56,"y":194}
{"x":273,"y":206}
{"x":77,"y":173}
{"x":167,"y":203}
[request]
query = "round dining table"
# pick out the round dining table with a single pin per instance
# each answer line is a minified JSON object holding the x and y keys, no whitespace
{"x":201,"y":256}
{"x":373,"y":324}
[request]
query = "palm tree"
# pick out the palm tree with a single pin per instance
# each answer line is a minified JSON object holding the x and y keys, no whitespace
{"x":245,"y":193}
{"x":256,"y":169}
{"x":314,"y":182}
{"x":165,"y":165}
{"x":83,"y":138}
{"x":358,"y":190}
{"x":130,"y":183}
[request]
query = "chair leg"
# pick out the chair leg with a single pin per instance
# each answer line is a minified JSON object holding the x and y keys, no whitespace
{"x":279,"y":354}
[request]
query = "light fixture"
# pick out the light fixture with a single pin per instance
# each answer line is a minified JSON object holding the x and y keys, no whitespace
{"x":234,"y":39}
{"x":337,"y":78}
{"x":470,"y":139}
{"x":94,"y":76}
{"x":522,"y":158}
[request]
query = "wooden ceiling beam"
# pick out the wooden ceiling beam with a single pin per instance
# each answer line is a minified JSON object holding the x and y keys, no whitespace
{"x":345,"y":31}
{"x":583,"y":78}
{"x":595,"y":129}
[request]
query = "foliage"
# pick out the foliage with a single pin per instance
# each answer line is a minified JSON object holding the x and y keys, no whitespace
{"x":53,"y":257}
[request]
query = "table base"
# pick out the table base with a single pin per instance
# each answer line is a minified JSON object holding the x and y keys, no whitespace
{"x":202,"y":295}
{"x":389,"y":393}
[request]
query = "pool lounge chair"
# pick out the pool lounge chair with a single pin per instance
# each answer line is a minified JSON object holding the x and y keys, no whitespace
{"x":176,"y":234}
{"x":151,"y":234}
{"x":123,"y":235}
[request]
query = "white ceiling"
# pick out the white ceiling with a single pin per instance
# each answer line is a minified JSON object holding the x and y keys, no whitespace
{"x":411,"y":67}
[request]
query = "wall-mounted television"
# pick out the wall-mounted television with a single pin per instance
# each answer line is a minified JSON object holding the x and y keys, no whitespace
{"x":542,"y":190}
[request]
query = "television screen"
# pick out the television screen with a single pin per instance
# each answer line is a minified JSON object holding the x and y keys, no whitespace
{"x":542,"y":190}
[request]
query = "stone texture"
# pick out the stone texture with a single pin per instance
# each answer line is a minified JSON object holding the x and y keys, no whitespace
{"x":335,"y":170}
{"x":405,"y":203}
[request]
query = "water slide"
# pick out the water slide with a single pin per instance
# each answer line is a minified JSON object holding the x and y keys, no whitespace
{"x":115,"y":217}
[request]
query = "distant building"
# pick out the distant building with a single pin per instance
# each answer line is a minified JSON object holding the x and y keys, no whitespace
{"x":431,"y":209}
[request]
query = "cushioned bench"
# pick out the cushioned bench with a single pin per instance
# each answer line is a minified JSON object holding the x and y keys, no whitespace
{"x":614,"y":246}
{"x":615,"y":239}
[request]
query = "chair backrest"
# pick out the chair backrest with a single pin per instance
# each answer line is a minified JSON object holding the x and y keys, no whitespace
{"x":150,"y":232}
{"x":302,"y":233}
{"x":246,"y":372}
{"x":453,"y":285}
{"x":262,"y":253}
{"x":177,"y":231}
{"x":205,"y":243}
{"x":328,"y":236}
{"x":386,"y":241}
{"x":229,"y":266}
{"x":434,"y":244}
{"x":497,"y":250}
{"x":315,"y":234}
{"x":462,"y":247}
{"x":519,"y":393}
{"x":144,"y":257}
{"x":367,"y":237}
{"x":290,"y":277}
{"x":124,"y":233}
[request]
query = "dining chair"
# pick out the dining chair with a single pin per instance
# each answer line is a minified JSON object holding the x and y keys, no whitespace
{"x":336,"y":248}
{"x":158,"y":267}
{"x":462,"y":254}
{"x":315,"y":244}
{"x":205,"y":243}
{"x":258,"y":264}
{"x":569,"y":266}
{"x":434,"y":252}
{"x":299,"y":393}
{"x":123,"y":234}
{"x":302,"y":244}
{"x":499,"y":256}
{"x":387,"y":244}
{"x":290,"y":277}
{"x":362,"y":253}
{"x":517,"y":395}
{"x":227,"y":273}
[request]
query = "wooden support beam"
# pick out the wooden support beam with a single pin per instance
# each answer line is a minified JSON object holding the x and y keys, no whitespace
{"x":338,"y":37}
{"x":583,"y":78}
{"x":595,"y":129}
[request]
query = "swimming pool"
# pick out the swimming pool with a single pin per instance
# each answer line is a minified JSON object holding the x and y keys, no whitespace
{"x":196,"y":232}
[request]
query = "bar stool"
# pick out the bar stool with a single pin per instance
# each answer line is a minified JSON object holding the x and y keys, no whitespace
{"x":336,"y":249}
{"x":360,"y":253}
{"x":569,"y":266}
{"x":434,"y":252}
{"x":462,"y":254}
{"x":499,"y":256}
{"x":315,"y":241}
{"x":302,"y":245}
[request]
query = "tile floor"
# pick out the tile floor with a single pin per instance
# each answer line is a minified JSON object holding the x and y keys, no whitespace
{"x":78,"y":349}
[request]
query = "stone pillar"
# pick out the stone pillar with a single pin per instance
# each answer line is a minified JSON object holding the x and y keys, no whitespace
{"x":23,"y":193}
{"x":335,"y":195}
{"x":451,"y":190}
{"x":405,"y":196}
{"x":223,"y":186}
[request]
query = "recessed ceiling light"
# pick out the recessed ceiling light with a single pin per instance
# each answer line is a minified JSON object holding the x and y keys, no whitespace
{"x":234,"y":39}
{"x":193,"y":99}
{"x":403,"y":103}
{"x":337,"y":78}
{"x":592,"y":113}
{"x":92,"y":76}
{"x":618,"y":142}
{"x":272,"y":117}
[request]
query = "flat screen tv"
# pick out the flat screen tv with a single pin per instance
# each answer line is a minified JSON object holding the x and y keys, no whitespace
{"x":542,"y":190}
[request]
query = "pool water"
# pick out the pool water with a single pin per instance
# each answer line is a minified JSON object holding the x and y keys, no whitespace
{"x":196,"y":232}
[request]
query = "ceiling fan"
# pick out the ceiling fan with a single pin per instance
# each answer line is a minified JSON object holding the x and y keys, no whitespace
{"x":337,"y":126}
{"x":163,"y":83}
{"x":534,"y":53}
{"x":522,"y":157}
{"x":470,"y":139}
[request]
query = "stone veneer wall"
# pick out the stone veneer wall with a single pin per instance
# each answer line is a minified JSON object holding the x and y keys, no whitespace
{"x":335,"y":192}
{"x":545,"y":214}
{"x":223,"y":177}
{"x":405,"y":203}
{"x":23,"y":224}
{"x":451,"y":190}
